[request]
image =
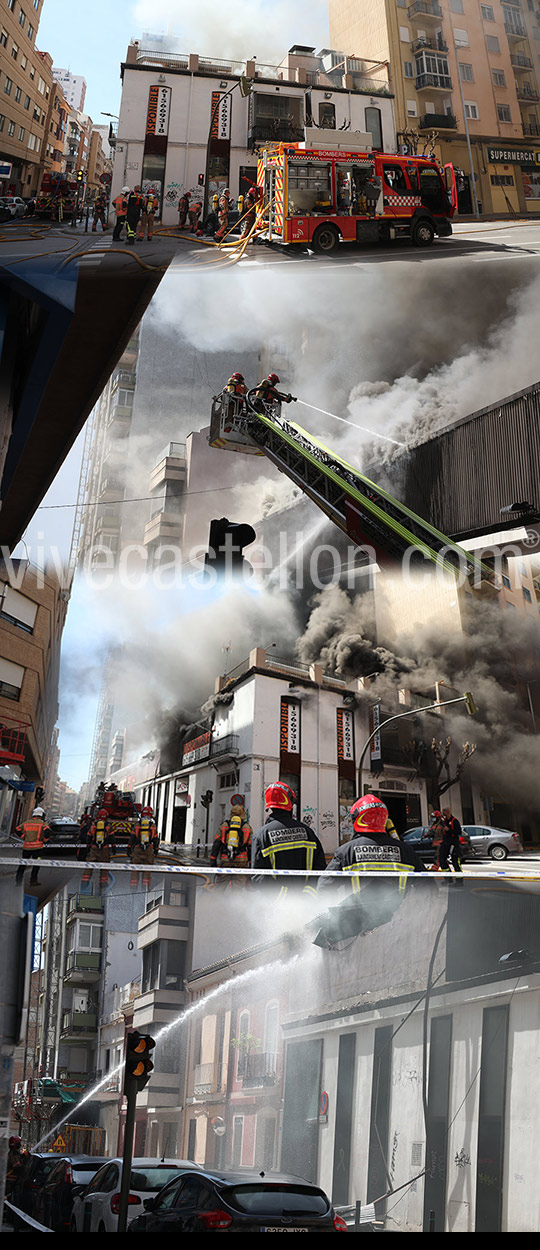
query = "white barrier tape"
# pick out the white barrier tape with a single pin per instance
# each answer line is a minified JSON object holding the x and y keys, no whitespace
{"x":206,"y":870}
{"x":27,"y":1219}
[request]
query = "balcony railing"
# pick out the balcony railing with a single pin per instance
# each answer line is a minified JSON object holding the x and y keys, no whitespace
{"x":438,"y":121}
{"x":85,"y":903}
{"x":78,"y":1023}
{"x":425,"y":8}
{"x":439,"y":82}
{"x":519,"y":61}
{"x":527,"y":94}
{"x":436,"y":45}
{"x":532,"y":128}
{"x":260,"y":1070}
{"x":13,"y":739}
{"x":224,"y":746}
{"x":204,"y":1079}
{"x":82,"y":962}
{"x":275,"y":130}
{"x":515,"y":30}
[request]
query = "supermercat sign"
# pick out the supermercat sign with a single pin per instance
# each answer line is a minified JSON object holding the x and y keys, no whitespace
{"x":513,"y":156}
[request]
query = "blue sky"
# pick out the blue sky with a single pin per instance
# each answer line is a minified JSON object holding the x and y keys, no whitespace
{"x":92,"y":39}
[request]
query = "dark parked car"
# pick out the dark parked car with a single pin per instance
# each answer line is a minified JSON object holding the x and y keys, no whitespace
{"x":69,"y":1176}
{"x":421,"y":840}
{"x":29,"y":1185}
{"x":238,"y":1202}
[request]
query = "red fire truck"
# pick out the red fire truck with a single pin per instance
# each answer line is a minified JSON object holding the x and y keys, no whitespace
{"x":57,"y":197}
{"x":319,"y":197}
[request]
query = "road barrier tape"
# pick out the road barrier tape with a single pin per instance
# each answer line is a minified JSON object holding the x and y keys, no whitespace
{"x":207,"y":869}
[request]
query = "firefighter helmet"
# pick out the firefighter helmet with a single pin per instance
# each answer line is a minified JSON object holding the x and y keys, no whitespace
{"x":273,"y":378}
{"x":147,"y":811}
{"x":125,"y":191}
{"x":14,"y":1141}
{"x":436,"y":815}
{"x":102,"y":814}
{"x":280,"y":795}
{"x":237,"y":377}
{"x":38,"y":811}
{"x":369,"y":815}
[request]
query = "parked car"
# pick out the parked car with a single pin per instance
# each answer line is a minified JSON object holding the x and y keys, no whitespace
{"x":497,"y":843}
{"x":69,"y":1176}
{"x":14,"y":205}
{"x":243,"y":1202}
{"x":95,"y":1209}
{"x":421,"y":839}
{"x":29,"y":1185}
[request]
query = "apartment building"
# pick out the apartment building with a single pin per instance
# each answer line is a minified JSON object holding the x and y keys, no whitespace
{"x":459,"y":66}
{"x":25,"y":89}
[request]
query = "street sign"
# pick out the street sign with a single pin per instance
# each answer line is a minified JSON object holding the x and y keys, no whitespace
{"x":105,"y":179}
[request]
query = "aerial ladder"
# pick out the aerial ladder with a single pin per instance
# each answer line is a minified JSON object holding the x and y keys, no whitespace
{"x":364,"y":511}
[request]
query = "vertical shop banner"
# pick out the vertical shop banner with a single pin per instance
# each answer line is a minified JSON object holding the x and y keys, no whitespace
{"x":345,"y":734}
{"x":221,"y":117}
{"x":375,"y":750}
{"x":159,"y":107}
{"x":289,"y":739}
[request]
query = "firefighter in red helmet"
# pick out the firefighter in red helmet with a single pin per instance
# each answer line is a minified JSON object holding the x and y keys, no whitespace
{"x":266,"y":390}
{"x":232,"y":844}
{"x":371,"y":849}
{"x":224,"y":206}
{"x":285,"y":842}
{"x":144,"y":844}
{"x":236,"y":385}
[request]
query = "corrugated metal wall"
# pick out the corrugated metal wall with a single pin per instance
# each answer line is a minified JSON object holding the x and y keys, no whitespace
{"x":461,"y":479}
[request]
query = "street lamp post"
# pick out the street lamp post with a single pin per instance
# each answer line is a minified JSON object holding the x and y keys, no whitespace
{"x":415,"y":711}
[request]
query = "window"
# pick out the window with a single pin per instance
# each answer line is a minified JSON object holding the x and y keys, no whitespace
{"x":18,"y":94}
{"x":27,"y":102}
{"x":22,"y":18}
{"x":2,"y":121}
{"x":373,"y":118}
{"x":411,"y":108}
{"x":11,"y":5}
{"x":492,"y":43}
{"x":456,"y":6}
{"x":24,"y":62}
{"x":41,"y":86}
{"x":8,"y":85}
{"x":20,"y":138}
{"x":506,"y":580}
{"x":31,"y":142}
{"x":11,"y":129}
{"x":3,"y":39}
{"x":527,"y":594}
{"x":394,"y":178}
{"x":17,"y":608}
{"x":32,"y":72}
{"x":471,"y":110}
{"x":503,"y":113}
{"x":327,"y":115}
{"x":30,"y":31}
{"x":487,"y":12}
{"x":498,"y":77}
{"x":461,"y":38}
{"x":404,"y":34}
{"x":11,"y":675}
{"x":466,"y":72}
{"x":14,"y":51}
{"x":87,"y":937}
{"x":408,"y":69}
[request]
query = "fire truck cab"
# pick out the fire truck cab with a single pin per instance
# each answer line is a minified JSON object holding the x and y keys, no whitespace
{"x":57,"y":198}
{"x":320,"y":197}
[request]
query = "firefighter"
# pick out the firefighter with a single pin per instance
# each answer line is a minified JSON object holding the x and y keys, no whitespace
{"x":232,"y":844}
{"x":34,"y":833}
{"x":450,"y":844}
{"x":143,"y":846}
{"x":101,"y":845}
{"x":85,"y":822}
{"x":120,"y":204}
{"x":134,"y":209}
{"x":194,"y":213}
{"x":266,"y":390}
{"x":251,"y":212}
{"x":236,"y":385}
{"x":285,"y":842}
{"x":183,"y":209}
{"x":224,"y":207}
{"x":99,"y":212}
{"x":16,"y":1162}
{"x":149,"y":212}
{"x":370,"y":848}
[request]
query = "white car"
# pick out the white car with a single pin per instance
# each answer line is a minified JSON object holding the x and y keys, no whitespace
{"x":95,"y":1210}
{"x":13,"y":205}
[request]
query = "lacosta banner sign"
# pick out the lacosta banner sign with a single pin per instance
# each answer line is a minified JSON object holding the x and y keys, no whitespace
{"x":159,"y":107}
{"x":196,"y":749}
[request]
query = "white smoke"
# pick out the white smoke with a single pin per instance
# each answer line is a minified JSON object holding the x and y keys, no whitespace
{"x":244,"y":29}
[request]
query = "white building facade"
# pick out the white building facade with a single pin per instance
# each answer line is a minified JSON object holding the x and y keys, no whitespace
{"x":182,"y":127}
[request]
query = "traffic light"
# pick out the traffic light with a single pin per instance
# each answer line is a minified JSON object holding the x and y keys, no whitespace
{"x":138,"y":1062}
{"x":225,"y":545}
{"x":80,"y":175}
{"x":470,"y":703}
{"x":206,"y":798}
{"x":201,"y":180}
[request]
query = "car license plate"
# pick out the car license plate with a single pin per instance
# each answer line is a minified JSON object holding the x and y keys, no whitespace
{"x":268,"y":1228}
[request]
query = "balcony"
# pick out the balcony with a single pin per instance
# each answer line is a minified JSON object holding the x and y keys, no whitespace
{"x":514,"y":30}
{"x":527,"y":95}
{"x":123,"y":377}
{"x":111,"y":488}
{"x":204,"y":1079}
{"x":225,"y":748}
{"x":532,"y":129}
{"x":82,"y":904}
{"x":13,"y":739}
{"x":434,"y":45}
{"x":433,"y":82}
{"x":120,"y":420}
{"x":519,"y":61}
{"x":260,"y":1071}
{"x":82,"y":968}
{"x":163,"y":527}
{"x":109,"y":521}
{"x":438,"y":121}
{"x":170,"y":466}
{"x":78,"y":1026}
{"x":423,"y":8}
{"x":76,"y":1082}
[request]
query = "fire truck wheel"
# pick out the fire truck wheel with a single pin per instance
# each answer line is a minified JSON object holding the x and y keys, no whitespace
{"x":325,"y":238}
{"x":423,"y":233}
